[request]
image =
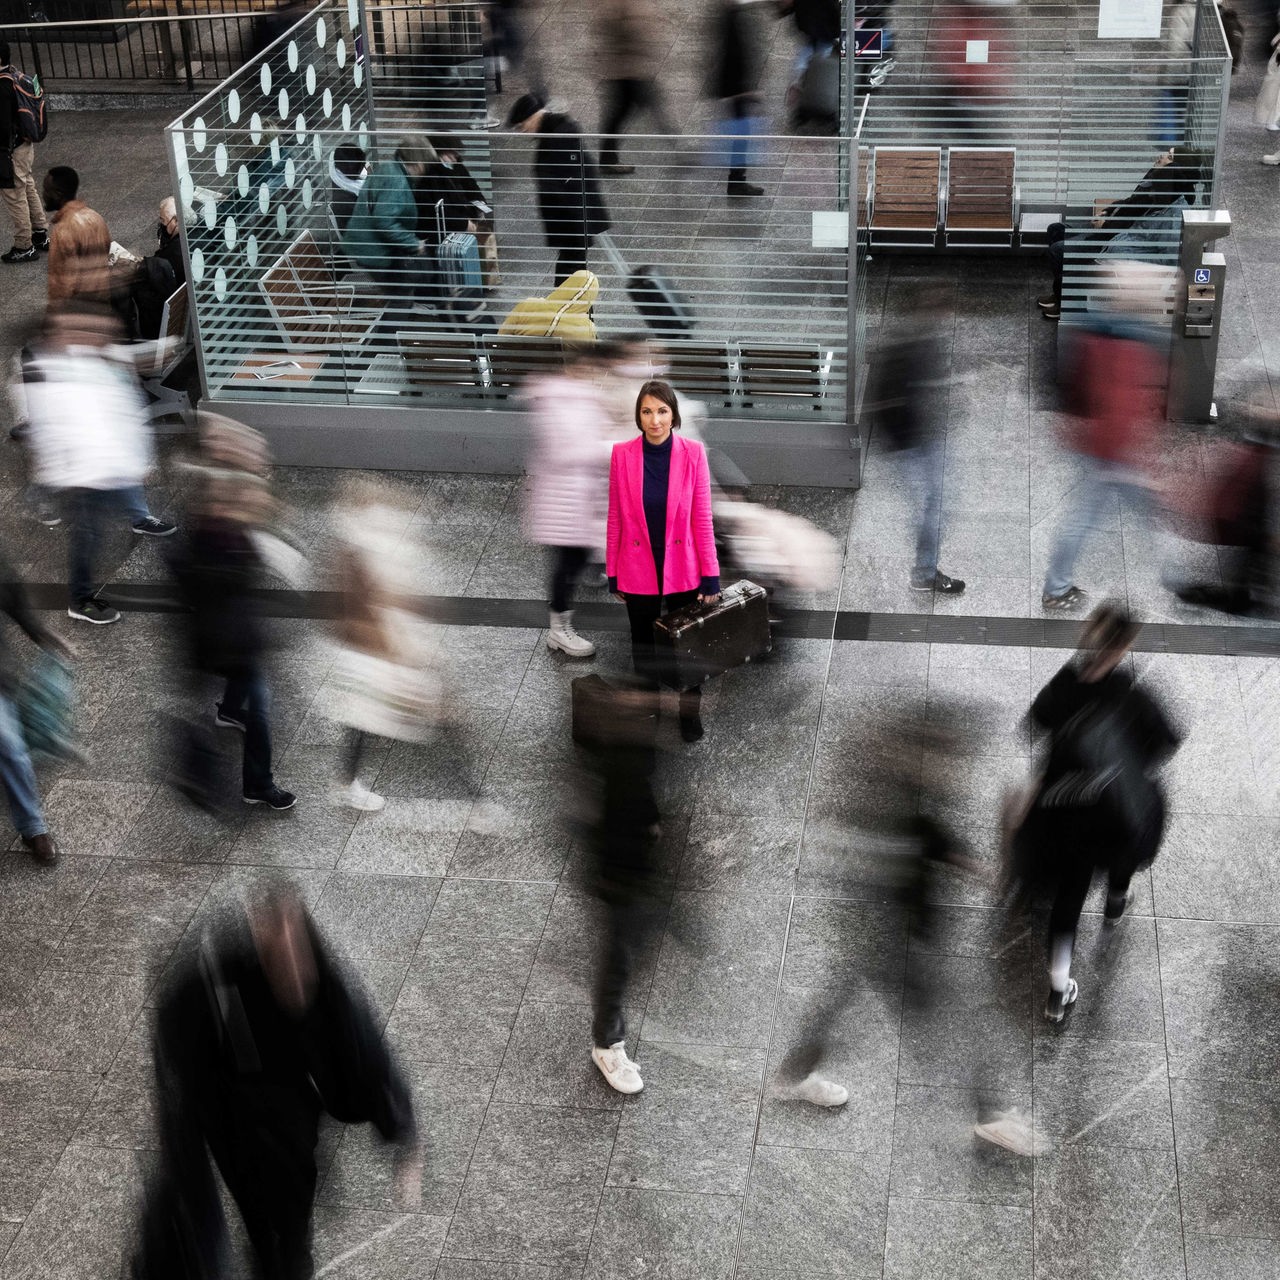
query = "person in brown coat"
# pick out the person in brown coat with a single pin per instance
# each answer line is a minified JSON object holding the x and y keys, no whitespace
{"x":632,"y":41}
{"x":79,"y":242}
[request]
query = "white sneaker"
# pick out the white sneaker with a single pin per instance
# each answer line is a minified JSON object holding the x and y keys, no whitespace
{"x":621,"y":1073}
{"x":562,"y":636}
{"x":813,"y":1088}
{"x":357,"y":796}
{"x":1273,"y":158}
{"x":1009,"y":1129}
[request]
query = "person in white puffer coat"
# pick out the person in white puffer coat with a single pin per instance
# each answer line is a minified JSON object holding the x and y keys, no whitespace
{"x":88,"y":437}
{"x":567,"y":490}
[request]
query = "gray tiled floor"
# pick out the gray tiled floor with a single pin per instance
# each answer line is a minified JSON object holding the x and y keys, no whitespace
{"x":465,"y":917}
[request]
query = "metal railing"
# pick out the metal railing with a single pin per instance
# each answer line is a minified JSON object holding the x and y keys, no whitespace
{"x":196,"y":46}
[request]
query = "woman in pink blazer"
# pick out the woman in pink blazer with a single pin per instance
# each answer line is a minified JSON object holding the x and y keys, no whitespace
{"x":660,"y":548}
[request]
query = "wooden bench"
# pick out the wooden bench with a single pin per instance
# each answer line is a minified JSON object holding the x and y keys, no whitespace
{"x":906,"y":192}
{"x":785,"y":376}
{"x":172,"y":348}
{"x":308,"y":305}
{"x":982,"y":197}
{"x":433,"y":361}
{"x":510,"y":359}
{"x":703,"y":371}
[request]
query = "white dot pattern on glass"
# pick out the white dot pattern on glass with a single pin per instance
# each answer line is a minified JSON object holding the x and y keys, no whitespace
{"x":221,"y":161}
{"x":357,"y":75}
{"x":255,"y":128}
{"x":346,"y":119}
{"x":197,"y":265}
{"x":233,"y":106}
{"x":251,"y":249}
{"x":340,"y":52}
{"x":264,"y":198}
{"x":242,"y":180}
{"x":300,"y":129}
{"x":290,"y":173}
{"x":292,"y":55}
{"x":209,"y":210}
{"x":220,"y":284}
{"x":326,"y":103}
{"x":311,"y":80}
{"x":199,"y":134}
{"x":283,"y":103}
{"x":264,"y":79}
{"x":353,"y":14}
{"x":307,"y":193}
{"x":322,"y":32}
{"x":229,"y":231}
{"x":282,"y":221}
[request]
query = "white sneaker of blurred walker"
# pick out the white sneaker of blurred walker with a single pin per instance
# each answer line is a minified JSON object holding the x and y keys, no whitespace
{"x":357,"y":796}
{"x":562,"y":636}
{"x":621,"y":1073}
{"x":813,"y":1088}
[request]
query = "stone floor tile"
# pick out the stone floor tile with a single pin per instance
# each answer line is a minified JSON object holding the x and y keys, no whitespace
{"x":465,"y":1269}
{"x":375,"y":916}
{"x":814,"y":1213}
{"x":1231,"y":1258}
{"x":93,"y":819}
{"x":355,"y":1244}
{"x":735,"y":852}
{"x":953,"y":1241}
{"x":489,"y":909}
{"x":533,"y":1190}
{"x":718,"y":970}
{"x":1107,"y":1211}
{"x":410,"y":837}
{"x":1219,"y":867}
{"x":684,"y":1237}
{"x":692,"y":1127}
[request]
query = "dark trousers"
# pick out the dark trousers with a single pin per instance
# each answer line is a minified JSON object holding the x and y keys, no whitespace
{"x":566,"y":568}
{"x":651,"y":663}
{"x":350,"y":754}
{"x":1056,"y":250}
{"x":86,"y":512}
{"x":571,"y":259}
{"x":622,"y":99}
{"x":623,"y":933}
{"x":1073,"y":889}
{"x":247,"y":698}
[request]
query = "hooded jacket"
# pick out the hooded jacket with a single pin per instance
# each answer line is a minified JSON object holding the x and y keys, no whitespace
{"x":382,"y":229}
{"x":564,"y":313}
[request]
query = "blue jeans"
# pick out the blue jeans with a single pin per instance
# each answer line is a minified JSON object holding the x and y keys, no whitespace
{"x":1101,"y":482}
{"x":17,"y":775}
{"x":247,"y":698}
{"x":923,"y":466}
{"x":809,"y":50}
{"x":85,"y":511}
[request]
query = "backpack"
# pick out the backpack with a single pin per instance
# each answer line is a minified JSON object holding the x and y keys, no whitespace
{"x":29,"y":106}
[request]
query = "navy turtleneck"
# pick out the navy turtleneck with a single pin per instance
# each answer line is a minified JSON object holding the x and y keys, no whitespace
{"x":657,"y":483}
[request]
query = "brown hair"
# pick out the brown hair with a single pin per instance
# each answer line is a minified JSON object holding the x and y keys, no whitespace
{"x":663,"y":391}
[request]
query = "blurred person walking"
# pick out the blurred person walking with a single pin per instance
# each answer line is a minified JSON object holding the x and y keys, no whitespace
{"x":567,"y":490}
{"x":16,"y":774}
{"x":632,"y":45}
{"x":17,"y":162}
{"x":1099,"y":805}
{"x":660,"y":549}
{"x":259,"y":1035}
{"x":218,"y":568}
{"x":88,"y":438}
{"x":1115,"y":385}
{"x":618,"y":733}
{"x":391,"y":679}
{"x":818,"y":22}
{"x":79,"y":242}
{"x":910,"y":402}
{"x":570,"y":204}
{"x":733,"y":79}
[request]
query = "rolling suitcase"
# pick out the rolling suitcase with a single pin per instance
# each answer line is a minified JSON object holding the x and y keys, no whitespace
{"x":707,"y":639}
{"x":652,"y":294}
{"x":820,"y":90}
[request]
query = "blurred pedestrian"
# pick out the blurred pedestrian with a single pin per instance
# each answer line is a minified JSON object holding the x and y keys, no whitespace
{"x":218,"y":568}
{"x":660,"y":551}
{"x":632,"y":47}
{"x":391,"y":680}
{"x":619,"y":739}
{"x":259,"y":1035}
{"x":733,"y":79}
{"x":88,"y":438}
{"x":1114,"y":382}
{"x":567,"y":490}
{"x":16,"y":773}
{"x":348,"y":169}
{"x":910,"y":403}
{"x":819,"y":23}
{"x":567,"y":181}
{"x":17,"y":160}
{"x":79,"y":242}
{"x":1099,"y":805}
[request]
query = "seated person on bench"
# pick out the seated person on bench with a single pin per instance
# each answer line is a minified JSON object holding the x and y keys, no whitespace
{"x":348,"y":170}
{"x":466,"y":209}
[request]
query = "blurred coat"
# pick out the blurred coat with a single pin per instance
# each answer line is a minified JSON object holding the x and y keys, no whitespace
{"x":79,"y":243}
{"x":88,"y":428}
{"x":383,"y":226}
{"x":569,"y":199}
{"x":1115,"y":385}
{"x":564,"y":313}
{"x":735,"y":61}
{"x":631,"y":39}
{"x":567,"y":490}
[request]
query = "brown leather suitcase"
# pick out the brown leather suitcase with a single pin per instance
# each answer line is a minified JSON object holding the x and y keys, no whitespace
{"x":707,"y":639}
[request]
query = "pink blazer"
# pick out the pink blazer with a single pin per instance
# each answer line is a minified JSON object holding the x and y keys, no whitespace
{"x":690,"y":543}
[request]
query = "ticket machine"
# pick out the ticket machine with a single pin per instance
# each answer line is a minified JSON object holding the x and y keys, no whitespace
{"x":1197,"y":321}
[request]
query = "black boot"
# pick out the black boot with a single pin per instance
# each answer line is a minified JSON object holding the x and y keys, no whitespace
{"x":690,"y":715}
{"x":739,"y":186}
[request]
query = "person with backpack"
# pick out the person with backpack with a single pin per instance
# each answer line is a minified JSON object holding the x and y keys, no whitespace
{"x":1099,"y":805}
{"x":22,"y":125}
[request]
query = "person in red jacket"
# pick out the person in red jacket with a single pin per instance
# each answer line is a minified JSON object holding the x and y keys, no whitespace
{"x":1116,"y":384}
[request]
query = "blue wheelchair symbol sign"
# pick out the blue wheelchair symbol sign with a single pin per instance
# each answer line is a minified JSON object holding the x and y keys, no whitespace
{"x":1202,"y":275}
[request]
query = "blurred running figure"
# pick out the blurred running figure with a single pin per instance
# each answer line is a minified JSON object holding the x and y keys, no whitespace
{"x":88,"y":438}
{"x":1100,"y":805}
{"x":259,"y":1036}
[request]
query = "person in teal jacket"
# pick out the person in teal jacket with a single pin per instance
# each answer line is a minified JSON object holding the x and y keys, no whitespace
{"x":382,"y":233}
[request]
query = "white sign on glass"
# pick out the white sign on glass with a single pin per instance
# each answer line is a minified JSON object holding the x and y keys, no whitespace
{"x":1129,"y":19}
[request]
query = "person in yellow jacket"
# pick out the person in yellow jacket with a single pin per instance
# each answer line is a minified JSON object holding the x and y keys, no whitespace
{"x":564,"y":313}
